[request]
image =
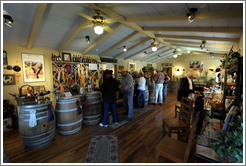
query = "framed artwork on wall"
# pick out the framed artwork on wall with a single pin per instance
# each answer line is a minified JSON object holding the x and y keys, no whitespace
{"x":121,"y":67}
{"x":33,"y":67}
{"x":8,"y":79}
{"x":132,"y":66}
{"x":197,"y":65}
{"x":66,"y":57}
{"x":5,"y":60}
{"x":149,"y":65}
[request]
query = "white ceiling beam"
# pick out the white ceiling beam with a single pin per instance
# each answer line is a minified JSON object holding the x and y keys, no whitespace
{"x":102,"y":38}
{"x":206,"y":47}
{"x":36,"y":22}
{"x":76,"y":31}
{"x":198,"y":16}
{"x":196,"y":30}
{"x":234,"y":40}
{"x":198,"y":43}
{"x":119,"y":43}
{"x":103,"y":5}
{"x":133,"y":47}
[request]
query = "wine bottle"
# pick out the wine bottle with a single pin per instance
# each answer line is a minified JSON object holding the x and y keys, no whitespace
{"x":80,"y":59}
{"x":52,"y":57}
{"x":59,"y":57}
{"x":73,"y":58}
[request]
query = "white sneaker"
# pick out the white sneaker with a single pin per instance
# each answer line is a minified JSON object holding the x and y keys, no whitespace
{"x":116,"y":123}
{"x":100,"y":124}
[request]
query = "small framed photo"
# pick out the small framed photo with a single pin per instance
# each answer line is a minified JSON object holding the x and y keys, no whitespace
{"x":5,"y":60}
{"x":66,"y":57}
{"x":8,"y":79}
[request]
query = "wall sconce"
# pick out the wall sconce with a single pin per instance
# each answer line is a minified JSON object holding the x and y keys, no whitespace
{"x":124,"y":48}
{"x":177,"y":69}
{"x":188,"y":51}
{"x":183,"y":69}
{"x":211,"y":69}
{"x":203,"y":44}
{"x":87,"y":39}
{"x":191,"y":15}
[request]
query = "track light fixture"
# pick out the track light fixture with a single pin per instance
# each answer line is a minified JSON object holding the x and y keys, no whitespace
{"x":145,"y":53}
{"x":8,"y":19}
{"x":208,"y":51}
{"x":188,"y":51}
{"x":212,"y":55}
{"x":203,"y":44}
{"x":191,"y":15}
{"x":87,"y":39}
{"x":158,"y":56}
{"x":124,"y":48}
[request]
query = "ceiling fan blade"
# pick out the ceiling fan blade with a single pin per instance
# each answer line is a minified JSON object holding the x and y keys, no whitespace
{"x":87,"y":26}
{"x":114,"y":19}
{"x":108,"y":29}
{"x":84,"y":15}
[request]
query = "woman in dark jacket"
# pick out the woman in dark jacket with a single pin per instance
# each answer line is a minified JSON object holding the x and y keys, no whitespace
{"x":108,"y":89}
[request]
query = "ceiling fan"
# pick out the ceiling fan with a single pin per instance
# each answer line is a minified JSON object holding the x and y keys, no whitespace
{"x":99,"y":22}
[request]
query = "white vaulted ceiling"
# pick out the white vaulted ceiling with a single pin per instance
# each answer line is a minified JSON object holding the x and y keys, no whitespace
{"x":57,"y":26}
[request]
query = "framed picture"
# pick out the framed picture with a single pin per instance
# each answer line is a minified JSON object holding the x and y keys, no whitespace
{"x":8,"y":79}
{"x":66,"y":57}
{"x":149,"y":65}
{"x":197,"y":65}
{"x":132,"y":66}
{"x":33,"y":67}
{"x":5,"y":60}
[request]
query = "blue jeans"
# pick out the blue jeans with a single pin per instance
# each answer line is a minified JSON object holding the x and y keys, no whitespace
{"x":115,"y":112}
{"x":128,"y":102}
{"x":164,"y":92}
{"x":141,"y":92}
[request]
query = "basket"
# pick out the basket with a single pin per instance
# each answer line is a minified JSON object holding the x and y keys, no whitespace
{"x":24,"y":99}
{"x":216,"y":101}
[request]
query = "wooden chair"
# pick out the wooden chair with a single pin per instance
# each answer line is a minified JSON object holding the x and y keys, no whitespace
{"x":174,"y":125}
{"x":177,"y":106}
{"x":178,"y":151}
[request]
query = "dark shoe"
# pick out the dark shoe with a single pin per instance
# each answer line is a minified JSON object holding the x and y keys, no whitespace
{"x":160,"y":103}
{"x":125,"y":113}
{"x":154,"y":103}
{"x":129,"y":119}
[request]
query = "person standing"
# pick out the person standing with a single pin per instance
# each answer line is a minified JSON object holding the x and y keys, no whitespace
{"x":167,"y":78}
{"x":127,"y":89}
{"x":108,"y":89}
{"x":159,"y":80}
{"x":141,"y":90}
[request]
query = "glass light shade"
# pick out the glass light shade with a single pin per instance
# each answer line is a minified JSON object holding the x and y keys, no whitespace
{"x":154,"y":48}
{"x":124,"y":49}
{"x":188,"y":51}
{"x":175,"y":55}
{"x":98,"y":30}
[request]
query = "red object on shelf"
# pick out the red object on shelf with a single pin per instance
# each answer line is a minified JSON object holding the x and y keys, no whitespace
{"x":68,"y":67}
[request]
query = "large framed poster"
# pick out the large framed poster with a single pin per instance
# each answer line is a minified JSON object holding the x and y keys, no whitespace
{"x":33,"y":67}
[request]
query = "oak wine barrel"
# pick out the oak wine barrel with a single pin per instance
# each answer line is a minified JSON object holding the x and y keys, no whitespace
{"x":44,"y":132}
{"x":173,"y":86}
{"x":93,"y":113}
{"x":151,"y":89}
{"x":69,"y":115}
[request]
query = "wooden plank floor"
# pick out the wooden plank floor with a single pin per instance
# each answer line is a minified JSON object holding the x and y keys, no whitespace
{"x":137,"y":139}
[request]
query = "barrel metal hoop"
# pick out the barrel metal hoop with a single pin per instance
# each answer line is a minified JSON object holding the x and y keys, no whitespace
{"x":36,"y":113}
{"x":27,"y":120}
{"x":67,"y":101}
{"x":39,"y":134}
{"x":31,"y":147}
{"x":92,"y":103}
{"x":68,"y":110}
{"x":70,"y":132}
{"x":93,"y":116}
{"x":70,"y":124}
{"x":39,"y":140}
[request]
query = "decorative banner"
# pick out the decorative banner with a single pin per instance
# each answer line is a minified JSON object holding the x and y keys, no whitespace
{"x":33,"y":67}
{"x":109,"y":65}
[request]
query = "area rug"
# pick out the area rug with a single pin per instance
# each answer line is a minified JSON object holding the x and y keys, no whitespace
{"x":103,"y":149}
{"x":123,"y":118}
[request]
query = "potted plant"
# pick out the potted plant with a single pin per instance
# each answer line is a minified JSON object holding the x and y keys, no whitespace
{"x":231,"y":145}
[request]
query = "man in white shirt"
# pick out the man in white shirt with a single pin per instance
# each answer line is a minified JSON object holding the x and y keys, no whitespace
{"x":141,"y":90}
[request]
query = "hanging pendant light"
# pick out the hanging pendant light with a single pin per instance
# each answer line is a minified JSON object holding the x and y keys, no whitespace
{"x":124,"y":48}
{"x":154,"y":48}
{"x":98,"y":30}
